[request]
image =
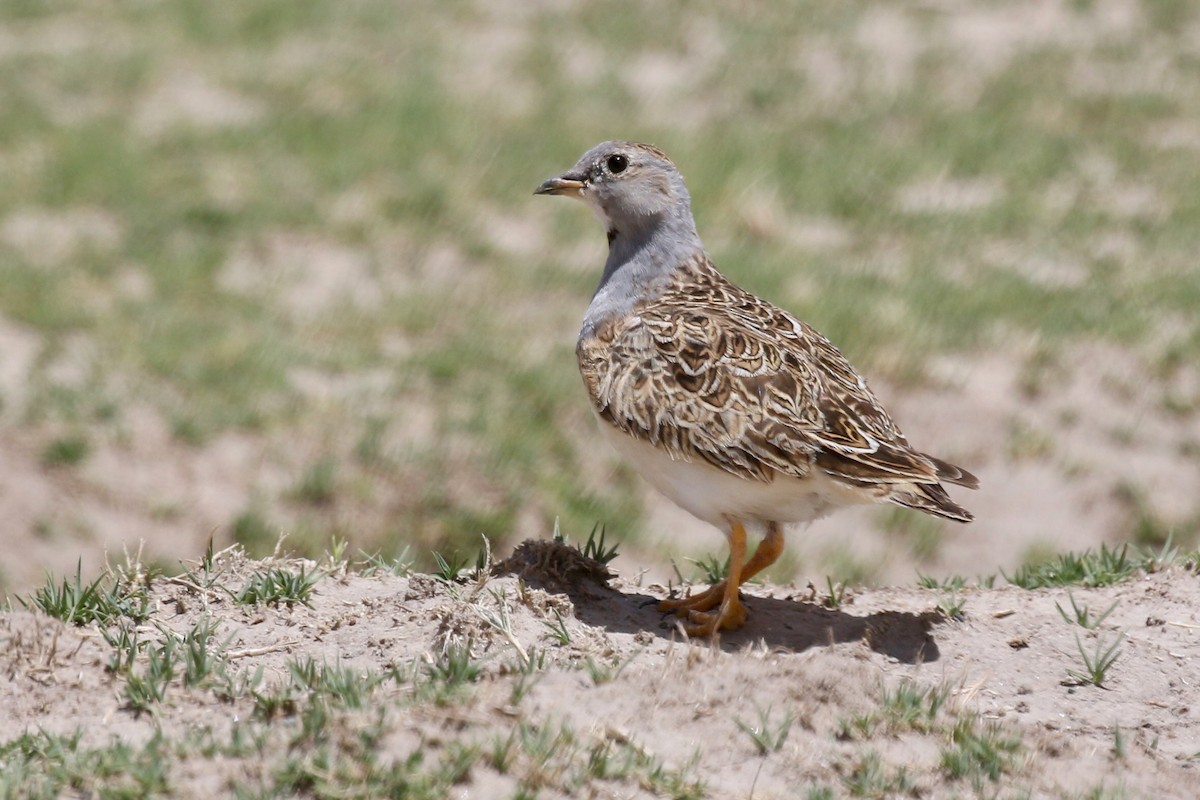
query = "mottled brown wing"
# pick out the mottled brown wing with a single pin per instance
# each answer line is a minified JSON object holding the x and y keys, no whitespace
{"x":709,"y":371}
{"x":692,"y":386}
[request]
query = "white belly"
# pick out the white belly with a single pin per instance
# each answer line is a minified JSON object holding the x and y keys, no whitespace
{"x":713,"y":495}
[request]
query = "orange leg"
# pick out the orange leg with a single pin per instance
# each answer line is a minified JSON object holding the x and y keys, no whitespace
{"x":731,"y":613}
{"x":767,"y":553}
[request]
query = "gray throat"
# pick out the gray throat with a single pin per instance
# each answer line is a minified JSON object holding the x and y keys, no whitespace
{"x":642,"y":259}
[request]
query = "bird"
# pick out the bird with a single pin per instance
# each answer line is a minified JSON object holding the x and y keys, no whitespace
{"x":736,"y":410}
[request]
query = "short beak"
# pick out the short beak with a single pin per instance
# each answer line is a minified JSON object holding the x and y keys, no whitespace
{"x":567,"y":184}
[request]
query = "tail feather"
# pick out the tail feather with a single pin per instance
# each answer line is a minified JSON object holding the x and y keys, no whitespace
{"x":952,"y":473}
{"x":917,"y":489}
{"x":930,"y":498}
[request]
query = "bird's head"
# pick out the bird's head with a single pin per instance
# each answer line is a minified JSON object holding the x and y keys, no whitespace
{"x":628,"y":185}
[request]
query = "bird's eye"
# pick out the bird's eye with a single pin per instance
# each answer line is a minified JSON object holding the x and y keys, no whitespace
{"x":617,"y":163}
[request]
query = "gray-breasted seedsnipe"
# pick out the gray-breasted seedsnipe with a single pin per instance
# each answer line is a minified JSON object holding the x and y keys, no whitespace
{"x":733,"y":408}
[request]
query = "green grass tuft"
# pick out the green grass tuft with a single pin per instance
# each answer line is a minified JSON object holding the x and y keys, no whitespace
{"x":104,"y":600}
{"x":1091,"y":568}
{"x":46,"y":765}
{"x":768,"y":737}
{"x":277,"y":585}
{"x":979,"y":750}
{"x":66,"y":451}
{"x":1098,"y":662}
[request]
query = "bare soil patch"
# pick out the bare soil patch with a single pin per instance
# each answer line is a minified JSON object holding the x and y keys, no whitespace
{"x":619,"y":678}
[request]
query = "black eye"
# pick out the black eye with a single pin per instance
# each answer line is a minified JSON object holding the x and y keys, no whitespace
{"x":617,"y":163}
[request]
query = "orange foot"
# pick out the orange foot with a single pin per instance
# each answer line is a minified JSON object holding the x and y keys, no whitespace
{"x":730,"y":613}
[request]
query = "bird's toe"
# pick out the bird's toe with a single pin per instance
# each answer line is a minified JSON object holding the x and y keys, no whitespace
{"x":707,"y":600}
{"x":729,"y":617}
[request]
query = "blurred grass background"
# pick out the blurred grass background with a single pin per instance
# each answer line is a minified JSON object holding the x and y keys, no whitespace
{"x":276,"y":266}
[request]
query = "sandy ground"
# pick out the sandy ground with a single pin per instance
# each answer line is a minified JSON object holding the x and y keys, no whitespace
{"x":1005,"y":662}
